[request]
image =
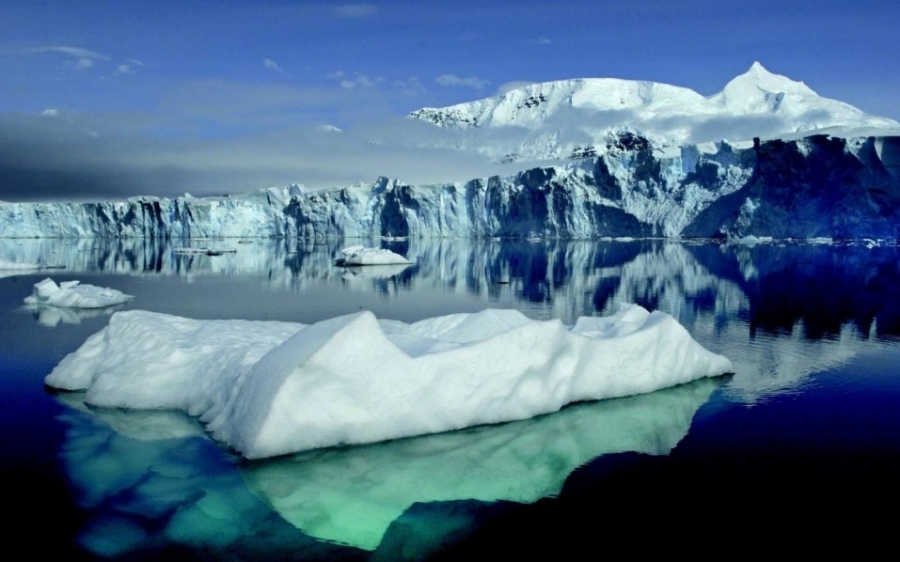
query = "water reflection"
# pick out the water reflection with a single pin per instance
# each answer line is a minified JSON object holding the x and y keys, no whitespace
{"x":771,"y":287}
{"x":152,"y":484}
{"x":52,"y":316}
{"x":148,"y":475}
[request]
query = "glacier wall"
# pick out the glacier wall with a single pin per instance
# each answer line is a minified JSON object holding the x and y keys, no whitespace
{"x":814,"y":186}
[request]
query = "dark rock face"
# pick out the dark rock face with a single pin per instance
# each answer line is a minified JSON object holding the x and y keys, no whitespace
{"x":817,"y":186}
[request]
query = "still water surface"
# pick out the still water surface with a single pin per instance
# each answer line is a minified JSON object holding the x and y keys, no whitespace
{"x":807,"y":428}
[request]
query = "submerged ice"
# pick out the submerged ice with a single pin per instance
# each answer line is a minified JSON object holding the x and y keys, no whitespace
{"x":270,"y":388}
{"x":131,"y":465}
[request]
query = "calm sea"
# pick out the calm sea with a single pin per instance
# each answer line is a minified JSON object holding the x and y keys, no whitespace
{"x":800,"y":447}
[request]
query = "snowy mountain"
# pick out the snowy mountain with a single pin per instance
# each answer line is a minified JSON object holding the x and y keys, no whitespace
{"x":817,"y":186}
{"x":577,"y":118}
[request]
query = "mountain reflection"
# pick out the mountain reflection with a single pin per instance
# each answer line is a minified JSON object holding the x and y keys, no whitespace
{"x":772,"y":287}
{"x":153,"y":486}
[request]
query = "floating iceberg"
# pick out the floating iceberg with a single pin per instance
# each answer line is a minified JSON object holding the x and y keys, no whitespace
{"x":72,"y":294}
{"x":269,"y":389}
{"x":360,"y":255}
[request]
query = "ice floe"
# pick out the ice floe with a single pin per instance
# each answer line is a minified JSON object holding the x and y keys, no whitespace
{"x":72,"y":294}
{"x":361,"y":255}
{"x":271,"y":388}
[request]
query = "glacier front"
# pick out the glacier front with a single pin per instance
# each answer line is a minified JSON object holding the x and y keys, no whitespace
{"x":817,"y":186}
{"x":269,"y":389}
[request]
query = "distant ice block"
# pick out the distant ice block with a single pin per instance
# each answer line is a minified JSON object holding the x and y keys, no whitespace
{"x":72,"y":294}
{"x":360,"y":255}
{"x":269,"y":390}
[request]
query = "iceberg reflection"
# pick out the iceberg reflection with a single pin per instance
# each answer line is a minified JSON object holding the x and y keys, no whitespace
{"x":351,"y":495}
{"x":154,"y":485}
{"x":152,"y":478}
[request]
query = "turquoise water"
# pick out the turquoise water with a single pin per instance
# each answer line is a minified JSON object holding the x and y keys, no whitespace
{"x":806,"y":428}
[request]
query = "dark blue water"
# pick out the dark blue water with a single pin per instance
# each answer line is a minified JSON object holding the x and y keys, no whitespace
{"x":806,"y":433}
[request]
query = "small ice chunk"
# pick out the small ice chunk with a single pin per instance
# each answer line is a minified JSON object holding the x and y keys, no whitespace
{"x":360,"y":255}
{"x":72,"y":294}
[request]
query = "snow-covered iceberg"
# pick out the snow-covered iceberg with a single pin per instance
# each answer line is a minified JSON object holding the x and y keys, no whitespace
{"x":72,"y":294}
{"x":269,"y":389}
{"x":361,"y":255}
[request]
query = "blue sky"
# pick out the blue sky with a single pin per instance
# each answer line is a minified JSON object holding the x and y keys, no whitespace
{"x":210,"y":96}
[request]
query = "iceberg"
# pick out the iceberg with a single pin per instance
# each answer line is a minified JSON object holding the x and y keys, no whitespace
{"x":72,"y":294}
{"x":268,"y":389}
{"x":360,"y":255}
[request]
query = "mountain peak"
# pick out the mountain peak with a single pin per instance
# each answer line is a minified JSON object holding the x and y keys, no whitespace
{"x":568,"y":117}
{"x":758,"y":77}
{"x":757,"y":68}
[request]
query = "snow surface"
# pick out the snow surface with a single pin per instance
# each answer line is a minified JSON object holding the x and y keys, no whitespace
{"x":269,"y":389}
{"x":72,"y":294}
{"x":360,"y":255}
{"x":563,"y":118}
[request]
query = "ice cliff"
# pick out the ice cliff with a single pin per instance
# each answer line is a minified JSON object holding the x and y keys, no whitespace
{"x":814,"y":186}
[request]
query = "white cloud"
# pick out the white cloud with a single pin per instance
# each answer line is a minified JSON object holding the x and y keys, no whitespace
{"x":514,"y":85}
{"x":50,"y":112}
{"x":272,"y":65}
{"x":468,"y":82}
{"x":124,"y":69}
{"x":76,"y":52}
{"x":355,"y":10}
{"x":411,"y":86}
{"x":348,"y":82}
{"x":136,"y":62}
{"x":82,"y":59}
{"x":542,"y":41}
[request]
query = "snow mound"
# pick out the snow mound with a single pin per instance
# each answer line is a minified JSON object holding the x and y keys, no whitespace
{"x":360,"y":255}
{"x":269,"y":389}
{"x":71,"y":294}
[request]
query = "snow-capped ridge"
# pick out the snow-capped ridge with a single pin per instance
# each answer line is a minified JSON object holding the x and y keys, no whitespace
{"x":564,"y":118}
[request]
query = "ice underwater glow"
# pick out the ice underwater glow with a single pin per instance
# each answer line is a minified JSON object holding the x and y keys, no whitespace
{"x":122,"y":461}
{"x":273,"y":388}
